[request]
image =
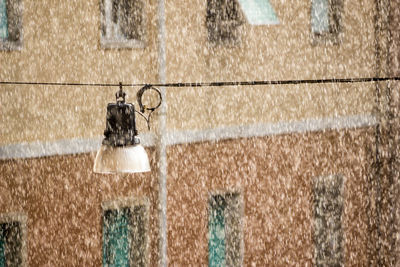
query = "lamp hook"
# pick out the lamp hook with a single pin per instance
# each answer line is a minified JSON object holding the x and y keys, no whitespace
{"x":120,"y":95}
{"x":143,"y":108}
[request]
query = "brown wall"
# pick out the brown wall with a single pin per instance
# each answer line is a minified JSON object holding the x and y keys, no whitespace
{"x":274,"y":174}
{"x":61,"y":198}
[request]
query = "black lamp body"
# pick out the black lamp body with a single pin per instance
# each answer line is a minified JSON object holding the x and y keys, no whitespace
{"x":121,"y":125}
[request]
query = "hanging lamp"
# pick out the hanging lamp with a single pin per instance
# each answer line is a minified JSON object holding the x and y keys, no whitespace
{"x":121,"y":151}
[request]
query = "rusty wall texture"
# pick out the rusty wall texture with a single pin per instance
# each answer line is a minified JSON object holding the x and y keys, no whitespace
{"x":62,"y":197}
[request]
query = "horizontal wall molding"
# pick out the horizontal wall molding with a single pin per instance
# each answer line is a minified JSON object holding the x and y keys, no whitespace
{"x":265,"y":129}
{"x":59,"y":147}
{"x":77,"y":146}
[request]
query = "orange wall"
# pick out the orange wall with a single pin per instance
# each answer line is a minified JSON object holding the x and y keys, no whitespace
{"x":274,"y":174}
{"x":61,"y":198}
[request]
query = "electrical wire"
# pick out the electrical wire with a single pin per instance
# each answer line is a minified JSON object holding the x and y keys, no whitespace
{"x":211,"y":84}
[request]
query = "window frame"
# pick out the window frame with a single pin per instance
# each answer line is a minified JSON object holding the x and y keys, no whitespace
{"x":22,"y":219}
{"x":240,"y":213}
{"x":318,"y":182}
{"x":6,"y":44}
{"x":335,"y":17}
{"x":130,"y":203}
{"x":114,"y":42}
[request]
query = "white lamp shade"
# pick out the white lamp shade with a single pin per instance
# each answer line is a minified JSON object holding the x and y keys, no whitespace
{"x":123,"y":159}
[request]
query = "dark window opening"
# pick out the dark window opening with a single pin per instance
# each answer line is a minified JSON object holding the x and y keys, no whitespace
{"x":11,"y":244}
{"x":123,"y":23}
{"x":328,"y":231}
{"x":223,"y":21}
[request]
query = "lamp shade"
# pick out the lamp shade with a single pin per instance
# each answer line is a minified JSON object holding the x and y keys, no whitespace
{"x":121,"y":159}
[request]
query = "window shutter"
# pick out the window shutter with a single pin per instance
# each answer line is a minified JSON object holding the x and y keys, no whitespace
{"x":216,"y":227}
{"x":328,"y":209}
{"x":138,"y":233}
{"x":3,"y":20}
{"x":116,"y":238}
{"x":2,"y":249}
{"x":320,"y":16}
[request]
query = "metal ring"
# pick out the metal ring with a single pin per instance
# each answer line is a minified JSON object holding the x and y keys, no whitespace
{"x":140,"y":94}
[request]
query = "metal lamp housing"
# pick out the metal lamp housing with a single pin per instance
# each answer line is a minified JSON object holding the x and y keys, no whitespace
{"x":121,"y":151}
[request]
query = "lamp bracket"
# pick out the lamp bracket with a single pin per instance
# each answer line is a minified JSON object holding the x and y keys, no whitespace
{"x":143,"y":108}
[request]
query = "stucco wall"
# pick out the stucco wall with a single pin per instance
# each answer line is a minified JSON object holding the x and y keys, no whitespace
{"x":62,"y":198}
{"x":274,"y":176}
{"x":61,"y":43}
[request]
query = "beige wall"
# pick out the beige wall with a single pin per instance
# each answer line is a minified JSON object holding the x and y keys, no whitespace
{"x":61,"y":44}
{"x":269,"y":52}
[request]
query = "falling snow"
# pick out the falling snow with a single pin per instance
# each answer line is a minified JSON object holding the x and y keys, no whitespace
{"x":293,"y":174}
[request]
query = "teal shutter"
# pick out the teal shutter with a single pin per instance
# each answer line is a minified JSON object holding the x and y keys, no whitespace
{"x":3,"y":21}
{"x":258,"y":12}
{"x":116,"y":238}
{"x":216,"y":227}
{"x":2,"y":249}
{"x":320,"y":16}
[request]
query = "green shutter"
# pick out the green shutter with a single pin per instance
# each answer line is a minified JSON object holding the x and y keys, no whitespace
{"x":2,"y":249}
{"x":320,"y":16}
{"x":216,"y":227}
{"x":3,"y":21}
{"x":259,"y":12}
{"x":116,"y":238}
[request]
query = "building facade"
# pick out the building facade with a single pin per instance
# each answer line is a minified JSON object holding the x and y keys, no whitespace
{"x":257,"y":175}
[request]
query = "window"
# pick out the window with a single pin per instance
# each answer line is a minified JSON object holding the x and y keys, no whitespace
{"x":328,"y":210}
{"x":326,"y":20}
{"x":12,"y":240}
{"x":224,"y":228}
{"x":223,"y":20}
{"x":258,"y":12}
{"x":3,"y":20}
{"x":124,"y":234}
{"x":10,"y":24}
{"x":122,"y":23}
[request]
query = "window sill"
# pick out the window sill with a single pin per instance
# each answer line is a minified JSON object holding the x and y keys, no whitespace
{"x":326,"y":39}
{"x":121,"y":44}
{"x":10,"y":46}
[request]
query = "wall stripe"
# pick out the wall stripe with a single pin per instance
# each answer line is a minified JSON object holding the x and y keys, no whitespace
{"x":75,"y":146}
